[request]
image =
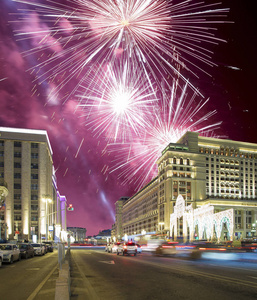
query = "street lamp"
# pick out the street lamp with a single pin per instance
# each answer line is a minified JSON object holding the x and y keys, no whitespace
{"x":161,"y":223}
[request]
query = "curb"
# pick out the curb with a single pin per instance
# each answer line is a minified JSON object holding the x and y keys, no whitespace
{"x":62,"y":287}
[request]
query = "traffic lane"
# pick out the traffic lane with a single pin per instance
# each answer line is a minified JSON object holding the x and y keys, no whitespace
{"x":235,"y":270}
{"x":124,"y":277}
{"x":20,"y":279}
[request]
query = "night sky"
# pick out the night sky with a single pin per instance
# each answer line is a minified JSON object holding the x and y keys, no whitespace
{"x":80,"y":158}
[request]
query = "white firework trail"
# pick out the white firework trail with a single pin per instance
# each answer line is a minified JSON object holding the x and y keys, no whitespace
{"x":162,"y":37}
{"x":119,"y":105}
{"x":181,"y":112}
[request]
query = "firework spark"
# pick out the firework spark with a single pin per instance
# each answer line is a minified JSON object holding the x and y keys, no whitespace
{"x":162,"y":37}
{"x":119,"y":105}
{"x":181,"y":111}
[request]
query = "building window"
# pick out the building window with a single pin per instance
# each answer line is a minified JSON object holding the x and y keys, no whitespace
{"x":34,"y":145}
{"x":1,"y":153}
{"x":34,"y":166}
{"x":34,"y":207}
{"x":17,"y":154}
{"x":17,"y":165}
{"x":17,"y":186}
{"x":17,"y":144}
{"x":34,"y":186}
{"x":34,"y":197}
{"x":17,"y":175}
{"x":34,"y":155}
{"x":17,"y":206}
{"x":34,"y":176}
{"x":1,"y":143}
{"x":17,"y":196}
{"x":1,"y":164}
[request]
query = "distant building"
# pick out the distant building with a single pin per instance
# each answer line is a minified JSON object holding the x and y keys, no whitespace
{"x":208,"y":173}
{"x":28,"y":186}
{"x":78,"y":233}
{"x":105,"y":232}
{"x":117,"y":227}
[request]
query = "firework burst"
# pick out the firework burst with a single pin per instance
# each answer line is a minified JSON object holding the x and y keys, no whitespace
{"x":181,"y":111}
{"x":119,"y":105}
{"x":162,"y":37}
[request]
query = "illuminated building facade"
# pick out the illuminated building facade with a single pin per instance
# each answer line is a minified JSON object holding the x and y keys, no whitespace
{"x":203,"y":170}
{"x":79,"y":233}
{"x":117,"y":226}
{"x":26,"y":170}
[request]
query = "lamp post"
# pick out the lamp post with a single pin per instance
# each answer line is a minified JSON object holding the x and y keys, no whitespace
{"x":161,"y":223}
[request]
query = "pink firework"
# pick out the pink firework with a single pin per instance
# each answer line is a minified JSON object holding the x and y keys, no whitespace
{"x":163,"y":38}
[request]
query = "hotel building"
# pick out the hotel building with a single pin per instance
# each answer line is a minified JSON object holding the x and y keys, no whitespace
{"x":218,"y":173}
{"x":32,"y":206}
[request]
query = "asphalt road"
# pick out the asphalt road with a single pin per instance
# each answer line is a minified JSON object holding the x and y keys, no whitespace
{"x":96,"y":274}
{"x":29,"y":279}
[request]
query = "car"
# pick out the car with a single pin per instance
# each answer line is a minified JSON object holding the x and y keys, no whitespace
{"x":139,"y":248}
{"x":127,"y":248}
{"x":1,"y":257}
{"x":115,"y":247}
{"x":165,"y":248}
{"x":112,"y":247}
{"x":26,"y":250}
{"x":108,"y":247}
{"x":39,"y":249}
{"x":49,"y":246}
{"x":11,"y":253}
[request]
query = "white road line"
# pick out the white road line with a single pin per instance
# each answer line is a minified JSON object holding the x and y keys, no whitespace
{"x":252,"y":277}
{"x":108,"y":262}
{"x":34,"y":294}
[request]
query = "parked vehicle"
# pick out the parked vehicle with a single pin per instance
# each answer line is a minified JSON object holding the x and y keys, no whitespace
{"x":49,"y":246}
{"x":26,"y":250}
{"x":1,"y":258}
{"x":11,"y":252}
{"x":39,"y":249}
{"x":127,"y":248}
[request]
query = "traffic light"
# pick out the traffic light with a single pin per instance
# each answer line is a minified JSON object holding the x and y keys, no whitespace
{"x":70,"y":208}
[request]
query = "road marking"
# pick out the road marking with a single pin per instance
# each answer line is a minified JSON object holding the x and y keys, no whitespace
{"x":252,"y":277}
{"x":33,"y":269}
{"x":108,"y":262}
{"x":39,"y":287}
{"x":203,"y":274}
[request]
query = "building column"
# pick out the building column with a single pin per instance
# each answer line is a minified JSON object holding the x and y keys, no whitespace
{"x":244,"y":223}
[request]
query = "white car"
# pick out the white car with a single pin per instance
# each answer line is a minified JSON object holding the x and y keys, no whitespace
{"x":11,"y":252}
{"x":39,"y":249}
{"x":127,"y":248}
